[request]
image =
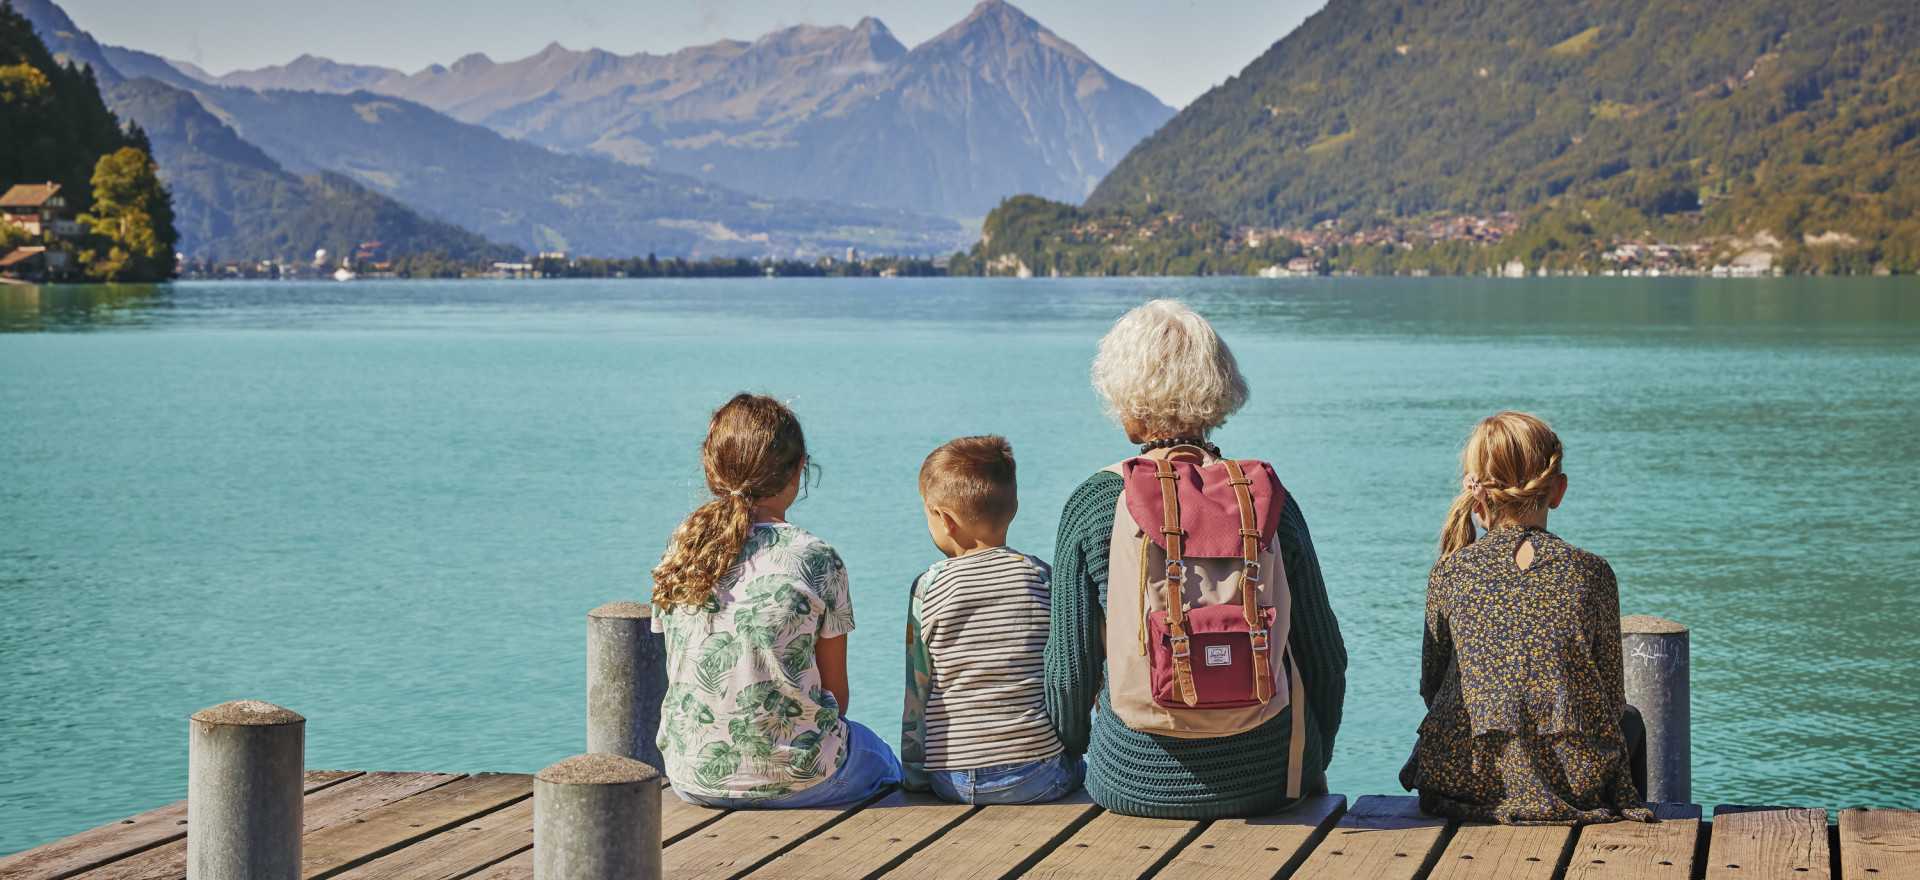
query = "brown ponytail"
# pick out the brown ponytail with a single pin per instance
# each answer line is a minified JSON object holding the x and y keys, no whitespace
{"x":754,"y":447}
{"x":1513,"y":458}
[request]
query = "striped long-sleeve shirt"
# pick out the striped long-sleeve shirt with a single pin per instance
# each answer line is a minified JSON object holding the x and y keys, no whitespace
{"x":976,"y":663}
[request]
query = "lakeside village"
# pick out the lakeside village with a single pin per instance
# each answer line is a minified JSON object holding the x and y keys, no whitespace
{"x":1077,"y":245}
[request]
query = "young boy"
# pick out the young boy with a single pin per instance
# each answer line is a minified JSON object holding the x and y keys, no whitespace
{"x":976,"y":728}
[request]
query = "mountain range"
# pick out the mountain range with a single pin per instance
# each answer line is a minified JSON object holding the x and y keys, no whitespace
{"x":1794,"y":117}
{"x":827,"y":127}
{"x":994,"y":106}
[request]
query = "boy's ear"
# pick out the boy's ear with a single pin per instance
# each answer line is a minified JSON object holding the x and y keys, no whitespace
{"x":948,"y":521}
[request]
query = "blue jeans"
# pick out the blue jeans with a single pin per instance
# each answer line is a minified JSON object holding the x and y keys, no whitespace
{"x":1047,"y":779}
{"x":869,"y":769}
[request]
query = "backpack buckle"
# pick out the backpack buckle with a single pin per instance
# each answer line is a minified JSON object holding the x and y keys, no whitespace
{"x":1252,"y":571}
{"x":1181,"y":647}
{"x":1176,"y":571}
{"x":1259,"y":639}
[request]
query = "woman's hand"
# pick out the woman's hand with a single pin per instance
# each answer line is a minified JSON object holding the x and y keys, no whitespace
{"x":831,"y":656}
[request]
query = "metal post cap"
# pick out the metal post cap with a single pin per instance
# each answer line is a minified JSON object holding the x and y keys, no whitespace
{"x":248,"y":713}
{"x":596,"y":769}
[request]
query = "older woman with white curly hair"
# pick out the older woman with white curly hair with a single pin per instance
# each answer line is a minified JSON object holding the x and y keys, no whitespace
{"x":1169,"y":381}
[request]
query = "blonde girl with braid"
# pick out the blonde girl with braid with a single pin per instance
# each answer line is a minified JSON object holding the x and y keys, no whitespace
{"x":1520,"y":665}
{"x":756,"y":613}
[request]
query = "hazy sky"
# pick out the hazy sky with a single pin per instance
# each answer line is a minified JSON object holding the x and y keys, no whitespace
{"x":1174,"y":48}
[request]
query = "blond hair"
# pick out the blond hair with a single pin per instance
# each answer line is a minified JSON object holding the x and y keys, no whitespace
{"x":1508,"y":469}
{"x":753,"y":450}
{"x":974,"y":478}
{"x":1163,"y":365}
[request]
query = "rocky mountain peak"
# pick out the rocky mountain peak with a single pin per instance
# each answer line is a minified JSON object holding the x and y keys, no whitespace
{"x":996,"y":31}
{"x":473,"y":62}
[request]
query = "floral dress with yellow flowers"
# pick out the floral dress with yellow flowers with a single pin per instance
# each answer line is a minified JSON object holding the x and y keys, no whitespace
{"x":1521,"y":673}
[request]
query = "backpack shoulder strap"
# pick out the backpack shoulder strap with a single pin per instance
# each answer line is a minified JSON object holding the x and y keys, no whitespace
{"x":1176,"y":583}
{"x":1263,"y":685}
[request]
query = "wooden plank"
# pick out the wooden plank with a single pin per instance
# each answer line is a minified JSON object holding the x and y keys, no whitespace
{"x":1768,"y":843}
{"x":519,"y":867}
{"x":336,"y":803}
{"x":1259,"y":848}
{"x":678,"y":818}
{"x":1115,"y":847}
{"x":1380,"y":838}
{"x":458,"y":851}
{"x":1879,"y":844}
{"x":868,"y":841}
{"x":1662,"y":850}
{"x":319,"y":779}
{"x":99,"y":846}
{"x":742,"y":839}
{"x":1503,"y":852}
{"x":996,"y":841}
{"x":380,"y":830}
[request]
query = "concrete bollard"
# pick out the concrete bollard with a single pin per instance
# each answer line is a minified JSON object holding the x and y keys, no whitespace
{"x":626,"y":680}
{"x":244,"y":789}
{"x":1655,"y":656}
{"x":596,"y":817}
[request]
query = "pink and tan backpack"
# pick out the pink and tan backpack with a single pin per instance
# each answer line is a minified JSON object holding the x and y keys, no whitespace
{"x":1197,"y":603}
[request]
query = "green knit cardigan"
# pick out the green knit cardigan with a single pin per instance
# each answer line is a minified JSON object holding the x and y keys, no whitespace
{"x":1141,"y":774}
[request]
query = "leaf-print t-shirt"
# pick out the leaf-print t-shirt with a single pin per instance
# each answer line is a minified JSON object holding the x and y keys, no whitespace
{"x":746,"y":714}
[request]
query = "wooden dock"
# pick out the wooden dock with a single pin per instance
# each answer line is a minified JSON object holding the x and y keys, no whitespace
{"x":443,"y":826}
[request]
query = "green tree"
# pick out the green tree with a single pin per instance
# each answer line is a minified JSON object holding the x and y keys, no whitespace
{"x":132,"y":211}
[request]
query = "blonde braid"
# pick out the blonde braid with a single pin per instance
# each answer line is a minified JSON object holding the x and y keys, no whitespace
{"x":1511,"y":461}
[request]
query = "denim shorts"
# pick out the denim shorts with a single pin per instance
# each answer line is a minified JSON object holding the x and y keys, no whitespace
{"x":869,"y":769}
{"x":1047,"y":779}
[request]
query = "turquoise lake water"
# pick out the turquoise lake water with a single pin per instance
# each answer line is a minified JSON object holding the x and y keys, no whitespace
{"x":389,"y":505}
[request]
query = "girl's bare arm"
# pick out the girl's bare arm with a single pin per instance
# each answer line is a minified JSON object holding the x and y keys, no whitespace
{"x":831,"y":656}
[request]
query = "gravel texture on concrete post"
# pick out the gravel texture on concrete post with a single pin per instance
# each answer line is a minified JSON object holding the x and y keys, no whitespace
{"x":244,"y":767}
{"x":596,"y":817}
{"x":1655,"y":652}
{"x":626,"y":680}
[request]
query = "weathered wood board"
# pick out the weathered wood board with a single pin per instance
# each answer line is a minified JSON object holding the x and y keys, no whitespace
{"x":330,"y":805}
{"x":1767,"y":843}
{"x":1380,"y":838}
{"x":1879,"y":844}
{"x":1662,"y":850}
{"x":997,"y":841}
{"x":1259,"y":848}
{"x":869,"y":841}
{"x":1479,"y":851}
{"x":89,"y":849}
{"x":1114,"y":847}
{"x":742,"y":839}
{"x":390,"y":826}
{"x":457,"y":852}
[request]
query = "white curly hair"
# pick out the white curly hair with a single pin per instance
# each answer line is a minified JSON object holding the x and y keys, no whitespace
{"x":1162,"y":365}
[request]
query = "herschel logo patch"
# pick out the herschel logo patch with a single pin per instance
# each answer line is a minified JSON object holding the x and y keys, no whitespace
{"x":1219,"y":655}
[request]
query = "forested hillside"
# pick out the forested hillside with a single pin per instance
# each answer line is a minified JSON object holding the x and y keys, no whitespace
{"x":1798,"y":117}
{"x":55,"y":128}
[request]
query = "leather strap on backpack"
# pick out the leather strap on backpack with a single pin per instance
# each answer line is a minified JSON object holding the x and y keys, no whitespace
{"x":1297,"y":704}
{"x":1176,"y":584}
{"x":1263,"y":687}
